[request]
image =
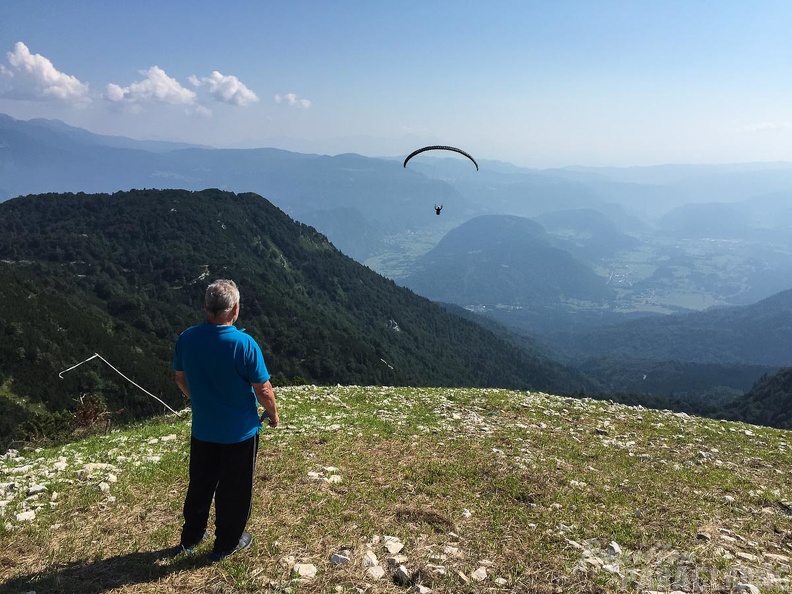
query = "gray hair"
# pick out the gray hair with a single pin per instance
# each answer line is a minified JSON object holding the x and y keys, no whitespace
{"x":221,"y":296}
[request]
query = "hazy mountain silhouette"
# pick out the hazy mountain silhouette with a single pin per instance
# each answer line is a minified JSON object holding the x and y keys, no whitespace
{"x":503,"y":260}
{"x":588,"y":234}
{"x":756,"y":334}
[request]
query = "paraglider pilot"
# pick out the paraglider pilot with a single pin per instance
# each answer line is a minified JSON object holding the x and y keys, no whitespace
{"x":438,"y":209}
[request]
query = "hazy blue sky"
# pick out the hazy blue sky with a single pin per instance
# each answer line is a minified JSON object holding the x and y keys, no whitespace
{"x":538,"y":83}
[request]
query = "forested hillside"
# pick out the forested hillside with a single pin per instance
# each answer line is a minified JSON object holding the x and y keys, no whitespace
{"x":123,"y":274}
{"x":756,"y":334}
{"x":768,"y":403}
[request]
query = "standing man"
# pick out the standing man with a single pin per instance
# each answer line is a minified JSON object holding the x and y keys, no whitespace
{"x":222,"y":371}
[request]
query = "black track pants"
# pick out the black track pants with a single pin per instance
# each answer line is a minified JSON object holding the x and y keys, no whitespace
{"x":225,"y":472}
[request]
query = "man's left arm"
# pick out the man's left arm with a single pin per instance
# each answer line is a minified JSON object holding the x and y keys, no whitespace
{"x":266,"y":398}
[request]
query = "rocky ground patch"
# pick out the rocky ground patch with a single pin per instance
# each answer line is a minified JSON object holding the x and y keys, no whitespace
{"x":427,"y":490}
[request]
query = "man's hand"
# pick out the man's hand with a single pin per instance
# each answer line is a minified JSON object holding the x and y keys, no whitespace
{"x":265,"y":417}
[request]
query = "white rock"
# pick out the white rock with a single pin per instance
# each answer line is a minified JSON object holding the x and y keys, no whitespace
{"x":305,"y":570}
{"x":334,"y":479}
{"x":27,"y":516}
{"x":396,"y":560}
{"x":479,"y":575}
{"x":593,"y":560}
{"x":90,"y":469}
{"x":748,"y":588}
{"x":376,"y":572}
{"x":20,"y":469}
{"x":36,"y":489}
{"x":420,"y":589}
{"x":393,"y":544}
{"x":370,"y":559}
{"x":104,"y":487}
{"x":170,"y":437}
{"x":501,"y":582}
{"x":728,"y":499}
{"x":613,"y":549}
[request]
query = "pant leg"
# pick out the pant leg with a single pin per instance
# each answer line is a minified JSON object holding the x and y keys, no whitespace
{"x":204,"y":476}
{"x":234,"y":495}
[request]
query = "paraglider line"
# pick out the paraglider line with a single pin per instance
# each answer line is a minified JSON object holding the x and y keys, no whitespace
{"x":95,"y":355}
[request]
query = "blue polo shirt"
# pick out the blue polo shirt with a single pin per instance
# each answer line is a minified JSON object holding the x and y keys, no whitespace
{"x":220,"y":364}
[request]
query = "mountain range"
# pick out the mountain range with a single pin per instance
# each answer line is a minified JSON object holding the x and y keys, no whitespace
{"x":123,"y":274}
{"x":562,"y":257}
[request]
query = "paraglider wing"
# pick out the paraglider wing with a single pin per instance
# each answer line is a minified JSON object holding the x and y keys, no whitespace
{"x":440,"y":148}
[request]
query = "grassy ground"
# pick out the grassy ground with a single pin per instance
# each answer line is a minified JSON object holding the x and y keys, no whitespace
{"x":531,"y":487}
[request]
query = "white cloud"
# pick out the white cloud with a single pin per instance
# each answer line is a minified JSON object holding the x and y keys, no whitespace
{"x":226,"y":89}
{"x":763,"y":126}
{"x":156,"y":87}
{"x":32,"y":76}
{"x":293,"y":100}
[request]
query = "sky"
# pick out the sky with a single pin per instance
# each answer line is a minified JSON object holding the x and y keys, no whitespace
{"x":538,"y":83}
